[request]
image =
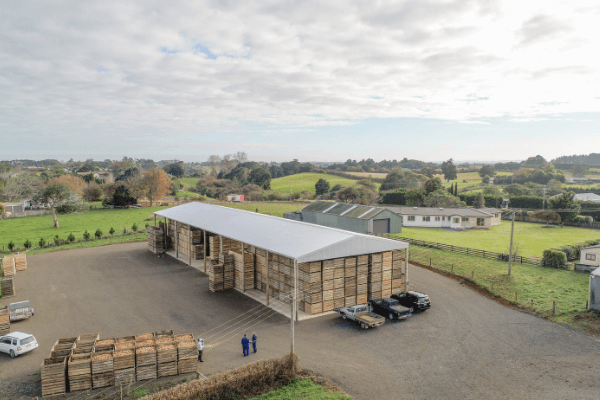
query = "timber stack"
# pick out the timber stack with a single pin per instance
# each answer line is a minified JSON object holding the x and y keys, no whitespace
{"x":339,"y":273}
{"x":7,"y":286}
{"x":244,"y":270}
{"x":362,"y":274}
{"x":261,"y":265}
{"x":20,"y":262}
{"x":103,"y":369}
{"x":226,"y":259}
{"x":53,"y":374}
{"x":187,"y":356}
{"x":374,"y":280}
{"x":4,"y":321}
{"x":215,"y":277}
{"x":8,"y":266}
{"x":398,"y":274}
{"x":310,"y":292}
{"x":156,"y":239}
{"x":350,"y":281}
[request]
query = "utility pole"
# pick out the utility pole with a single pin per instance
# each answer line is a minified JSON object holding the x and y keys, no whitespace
{"x":510,"y":250}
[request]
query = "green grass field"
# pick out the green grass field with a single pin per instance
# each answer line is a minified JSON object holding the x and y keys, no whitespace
{"x":527,"y":282}
{"x":531,"y":239}
{"x":33,"y":228}
{"x":276,"y":209}
{"x":472,"y":179}
{"x":302,"y":388}
{"x":190,"y":195}
{"x":189,"y":182}
{"x":306,"y":181}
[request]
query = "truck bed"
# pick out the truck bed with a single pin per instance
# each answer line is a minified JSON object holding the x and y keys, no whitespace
{"x":370,"y":318}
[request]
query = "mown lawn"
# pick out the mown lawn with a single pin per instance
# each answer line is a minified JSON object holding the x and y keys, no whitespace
{"x":306,"y":181}
{"x":276,"y":209}
{"x":472,"y":179}
{"x":530,"y":239}
{"x":189,"y":182}
{"x":302,"y":388}
{"x":527,"y":282}
{"x":33,"y":228}
{"x":190,"y":195}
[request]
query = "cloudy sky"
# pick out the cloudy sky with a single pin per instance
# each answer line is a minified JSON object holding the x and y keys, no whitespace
{"x":319,"y":81}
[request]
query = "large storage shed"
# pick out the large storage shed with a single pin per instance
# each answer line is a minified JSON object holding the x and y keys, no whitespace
{"x":350,"y":217}
{"x":321,"y":267}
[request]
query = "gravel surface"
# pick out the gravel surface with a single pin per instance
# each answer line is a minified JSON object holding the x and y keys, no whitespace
{"x":465,"y":347}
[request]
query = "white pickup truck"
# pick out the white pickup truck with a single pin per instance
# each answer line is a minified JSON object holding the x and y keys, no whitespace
{"x":362,"y":314}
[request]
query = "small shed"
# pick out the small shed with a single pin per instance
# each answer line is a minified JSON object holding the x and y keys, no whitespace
{"x":235,"y":197}
{"x":595,"y":290}
{"x":351,"y":217}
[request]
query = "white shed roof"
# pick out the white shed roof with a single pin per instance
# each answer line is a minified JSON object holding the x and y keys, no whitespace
{"x":298,"y":240}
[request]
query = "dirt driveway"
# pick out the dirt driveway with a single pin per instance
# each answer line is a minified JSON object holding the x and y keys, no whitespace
{"x":465,"y":347}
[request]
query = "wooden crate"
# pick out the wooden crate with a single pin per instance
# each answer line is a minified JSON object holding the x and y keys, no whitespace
{"x":104,"y":345}
{"x":350,"y":290}
{"x":21,"y":262}
{"x":375,"y":268}
{"x":374,"y":295}
{"x":386,"y":293}
{"x":187,"y":349}
{"x":145,"y":356}
{"x":338,"y":283}
{"x":103,"y":362}
{"x":339,"y":303}
{"x":125,"y":345}
{"x":8,"y":266}
{"x":163,"y":333}
{"x":327,"y":295}
{"x":4,"y":321}
{"x":397,"y":290}
{"x":184,"y":337}
{"x":103,"y":380}
{"x":350,"y":301}
{"x":339,"y":273}
{"x":374,"y":287}
{"x":386,"y":275}
{"x":7,"y":287}
{"x":361,"y":280}
{"x":168,"y":369}
{"x":125,"y":339}
{"x":362,"y":260}
{"x":124,"y":359}
{"x":375,"y":277}
{"x":338,"y":293}
{"x":397,"y":274}
{"x":166,"y":353}
{"x":361,"y":289}
{"x":386,"y":285}
{"x":328,"y":306}
{"x":187,"y":365}
{"x":313,"y":298}
{"x":376,"y":258}
{"x":53,"y":373}
{"x":124,"y":376}
{"x":316,"y":308}
{"x":361,"y":299}
{"x":62,"y":347}
{"x":79,"y":369}
{"x":328,"y":285}
{"x":145,"y":372}
{"x":144,"y":336}
{"x":397,"y":283}
{"x":328,"y":274}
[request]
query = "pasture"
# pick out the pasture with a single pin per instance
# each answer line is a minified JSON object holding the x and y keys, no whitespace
{"x":306,"y":182}
{"x":530,"y":239}
{"x":189,"y":183}
{"x":276,"y":209}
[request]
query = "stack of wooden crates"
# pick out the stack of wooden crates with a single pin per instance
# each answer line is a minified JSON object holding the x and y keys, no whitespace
{"x":7,"y":287}
{"x":20,"y":262}
{"x":187,"y":239}
{"x":4,"y":321}
{"x":8,"y":266}
{"x":156,"y":238}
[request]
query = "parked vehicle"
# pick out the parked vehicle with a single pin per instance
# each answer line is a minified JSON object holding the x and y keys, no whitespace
{"x":20,"y":310}
{"x":17,"y":343}
{"x":390,"y":308}
{"x":363,"y":315}
{"x":414,"y":300}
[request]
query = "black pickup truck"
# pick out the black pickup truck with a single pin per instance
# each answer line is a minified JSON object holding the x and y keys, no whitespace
{"x":390,"y":308}
{"x":414,"y":300}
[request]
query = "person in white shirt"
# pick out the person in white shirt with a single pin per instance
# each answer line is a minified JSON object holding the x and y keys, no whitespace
{"x":200,"y":344}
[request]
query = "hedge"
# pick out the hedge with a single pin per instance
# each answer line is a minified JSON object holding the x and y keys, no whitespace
{"x":554,"y":258}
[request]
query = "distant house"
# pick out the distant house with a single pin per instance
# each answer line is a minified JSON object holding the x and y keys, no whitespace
{"x":235,"y":197}
{"x":430,"y":217}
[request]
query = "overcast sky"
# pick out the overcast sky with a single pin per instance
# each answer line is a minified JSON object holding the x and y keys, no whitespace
{"x":319,"y":81}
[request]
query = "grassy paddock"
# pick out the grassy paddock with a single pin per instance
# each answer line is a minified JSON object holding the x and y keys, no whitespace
{"x":190,"y":195}
{"x":33,"y":228}
{"x":306,"y":181}
{"x":189,"y":182}
{"x":527,"y":283}
{"x":276,"y":209}
{"x":531,"y":239}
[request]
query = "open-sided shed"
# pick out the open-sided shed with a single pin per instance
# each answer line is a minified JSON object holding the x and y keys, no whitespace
{"x":286,"y":258}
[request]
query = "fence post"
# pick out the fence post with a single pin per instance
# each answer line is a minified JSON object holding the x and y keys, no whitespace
{"x":554,"y":308}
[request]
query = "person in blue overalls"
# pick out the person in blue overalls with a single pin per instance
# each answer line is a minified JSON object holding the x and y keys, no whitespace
{"x":245,"y":345}
{"x":254,"y":341}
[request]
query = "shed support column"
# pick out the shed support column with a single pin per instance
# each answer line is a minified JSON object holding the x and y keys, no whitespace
{"x":165,"y":234}
{"x":267,"y":278}
{"x":220,"y":244}
{"x":204,"y":252}
{"x":243,"y":270}
{"x":190,"y":247}
{"x":293,"y":303}
{"x":406,"y":269}
{"x":176,"y":241}
{"x":295,"y":290}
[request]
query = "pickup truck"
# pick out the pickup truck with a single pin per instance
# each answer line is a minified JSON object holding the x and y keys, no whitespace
{"x":390,"y":308}
{"x":363,"y":315}
{"x":20,"y":310}
{"x":414,"y":300}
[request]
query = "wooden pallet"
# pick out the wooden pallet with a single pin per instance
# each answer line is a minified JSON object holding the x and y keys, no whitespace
{"x":102,"y":362}
{"x":145,"y":356}
{"x":21,"y":262}
{"x":187,"y":349}
{"x":124,"y":359}
{"x":8,"y":266}
{"x":103,"y":380}
{"x":168,"y":369}
{"x":124,"y":376}
{"x":63,"y":347}
{"x":166,"y":353}
{"x":79,"y":371}
{"x":7,"y":287}
{"x":53,"y":376}
{"x":145,"y":372}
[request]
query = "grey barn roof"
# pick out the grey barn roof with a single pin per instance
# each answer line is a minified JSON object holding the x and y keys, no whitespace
{"x":343,"y":209}
{"x":298,"y":240}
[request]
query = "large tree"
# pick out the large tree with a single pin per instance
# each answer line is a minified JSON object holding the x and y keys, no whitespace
{"x":402,"y":179}
{"x":261,"y":177}
{"x":442,"y":198}
{"x":367,"y":191}
{"x":479,"y":201}
{"x":487,"y":170}
{"x":449,"y":170}
{"x":155,"y":184}
{"x":75,"y":183}
{"x":565,"y":206}
{"x":415,"y":197}
{"x":579,"y":170}
{"x":433,"y":184}
{"x":54,"y":196}
{"x":21,"y":185}
{"x":321,"y":187}
{"x":347,"y":195}
{"x":175,"y":169}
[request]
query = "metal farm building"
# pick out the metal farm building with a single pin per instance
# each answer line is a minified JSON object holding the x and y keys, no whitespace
{"x":350,"y":217}
{"x":273,"y":258}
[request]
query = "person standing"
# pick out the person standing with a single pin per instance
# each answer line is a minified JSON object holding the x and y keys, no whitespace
{"x":245,"y":345}
{"x":254,"y":341}
{"x":200,"y":344}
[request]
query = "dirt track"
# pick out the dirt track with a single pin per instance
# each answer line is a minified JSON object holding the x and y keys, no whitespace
{"x":465,"y":347}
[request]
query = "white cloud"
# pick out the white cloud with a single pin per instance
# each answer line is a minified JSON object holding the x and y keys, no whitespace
{"x":139,"y":69}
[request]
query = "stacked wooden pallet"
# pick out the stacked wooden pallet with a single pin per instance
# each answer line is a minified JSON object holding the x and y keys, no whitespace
{"x":86,"y":342}
{"x":261,"y":266}
{"x":124,"y":360}
{"x":103,"y":369}
{"x":4,"y":321}
{"x":339,"y":296}
{"x":228,"y":271}
{"x":187,"y":356}
{"x":214,"y":243}
{"x":54,"y":376}
{"x":63,"y":347}
{"x":216,"y":277}
{"x":8,"y":266}
{"x":398,"y":275}
{"x":7,"y":286}
{"x":362,"y":275}
{"x":156,"y":239}
{"x":20,"y":262}
{"x":79,"y":369}
{"x":243,"y":270}
{"x":310,"y":286}
{"x":374,"y":279}
{"x":189,"y":239}
{"x":145,"y":360}
{"x":386,"y":275}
